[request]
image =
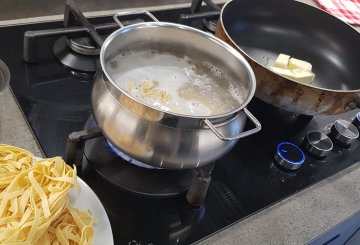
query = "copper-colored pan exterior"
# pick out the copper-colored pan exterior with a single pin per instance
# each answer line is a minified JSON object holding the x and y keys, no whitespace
{"x":290,"y":95}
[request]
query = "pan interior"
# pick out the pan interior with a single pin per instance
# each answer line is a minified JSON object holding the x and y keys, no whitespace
{"x":263,"y":29}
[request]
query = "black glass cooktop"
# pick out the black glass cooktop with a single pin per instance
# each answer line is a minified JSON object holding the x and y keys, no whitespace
{"x":56,"y":102}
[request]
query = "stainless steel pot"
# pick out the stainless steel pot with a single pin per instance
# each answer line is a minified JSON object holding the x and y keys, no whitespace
{"x":165,"y":139}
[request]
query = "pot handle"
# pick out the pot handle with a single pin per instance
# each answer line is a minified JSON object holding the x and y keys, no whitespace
{"x":133,"y":12}
{"x":239,"y":136}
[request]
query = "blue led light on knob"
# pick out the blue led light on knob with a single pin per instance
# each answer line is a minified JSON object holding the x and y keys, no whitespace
{"x":289,"y":156}
{"x":356,"y":120}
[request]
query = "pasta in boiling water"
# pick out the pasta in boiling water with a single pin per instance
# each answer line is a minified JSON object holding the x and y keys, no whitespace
{"x":35,"y":207}
{"x":175,"y":84}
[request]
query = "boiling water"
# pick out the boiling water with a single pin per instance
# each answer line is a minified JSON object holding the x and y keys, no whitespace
{"x":175,"y":84}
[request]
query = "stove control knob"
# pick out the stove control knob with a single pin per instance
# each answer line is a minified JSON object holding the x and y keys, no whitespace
{"x":344,"y":132}
{"x":289,"y":156}
{"x":318,"y":144}
{"x":356,"y":121}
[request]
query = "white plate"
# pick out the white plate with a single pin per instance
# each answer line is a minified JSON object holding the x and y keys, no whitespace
{"x":87,"y":199}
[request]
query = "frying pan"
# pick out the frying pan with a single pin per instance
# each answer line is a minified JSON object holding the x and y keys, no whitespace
{"x":262,"y":29}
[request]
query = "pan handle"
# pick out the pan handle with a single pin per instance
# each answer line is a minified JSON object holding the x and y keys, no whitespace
{"x":131,"y":13}
{"x":240,"y":135}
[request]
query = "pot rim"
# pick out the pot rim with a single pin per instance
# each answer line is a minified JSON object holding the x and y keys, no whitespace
{"x":218,"y":41}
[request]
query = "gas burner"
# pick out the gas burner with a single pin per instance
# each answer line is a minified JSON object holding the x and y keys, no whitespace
{"x":158,"y":183}
{"x":75,"y":60}
{"x":79,"y":41}
{"x":83,"y":45}
{"x":91,"y":153}
{"x":105,"y":161}
{"x":127,"y":158}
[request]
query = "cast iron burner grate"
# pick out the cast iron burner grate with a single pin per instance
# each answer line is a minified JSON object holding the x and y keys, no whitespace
{"x":79,"y":42}
{"x":209,"y":17}
{"x":74,"y":48}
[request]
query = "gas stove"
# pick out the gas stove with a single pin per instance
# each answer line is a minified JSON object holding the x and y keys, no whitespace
{"x":149,"y":206}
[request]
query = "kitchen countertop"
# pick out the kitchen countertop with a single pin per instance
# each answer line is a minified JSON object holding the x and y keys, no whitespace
{"x":295,"y":220}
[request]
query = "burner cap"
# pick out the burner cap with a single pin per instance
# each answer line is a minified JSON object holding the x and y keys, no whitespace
{"x":74,"y":60}
{"x":210,"y":24}
{"x":83,"y":45}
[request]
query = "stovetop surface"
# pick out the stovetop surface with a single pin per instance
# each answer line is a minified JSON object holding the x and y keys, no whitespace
{"x":56,"y":102}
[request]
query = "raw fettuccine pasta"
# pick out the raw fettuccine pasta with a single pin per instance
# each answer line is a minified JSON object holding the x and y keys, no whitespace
{"x":35,"y":207}
{"x":13,"y":160}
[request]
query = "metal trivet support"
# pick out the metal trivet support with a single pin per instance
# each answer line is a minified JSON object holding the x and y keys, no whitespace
{"x":200,"y":185}
{"x":75,"y":25}
{"x":201,"y":176}
{"x":209,"y":17}
{"x":76,"y":143}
